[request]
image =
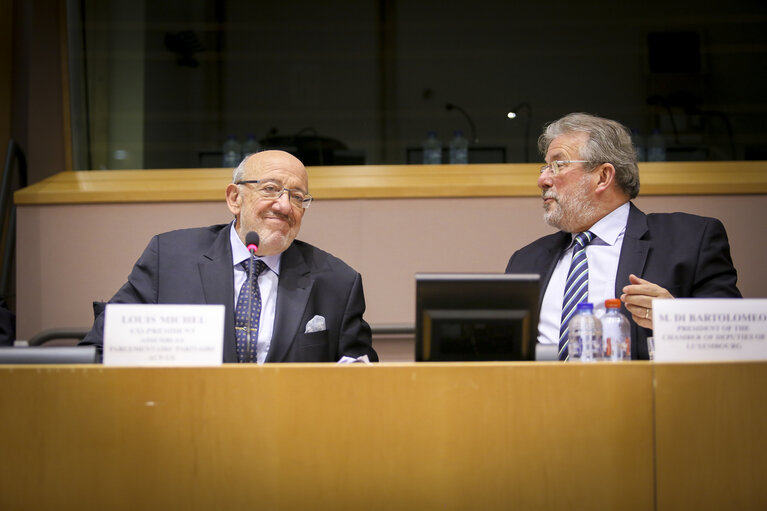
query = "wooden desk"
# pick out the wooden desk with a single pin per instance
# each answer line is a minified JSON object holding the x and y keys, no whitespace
{"x":710,"y":428}
{"x":636,"y":436}
{"x":410,"y":436}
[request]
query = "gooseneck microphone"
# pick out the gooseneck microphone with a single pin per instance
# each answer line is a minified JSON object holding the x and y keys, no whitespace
{"x":513,"y":113}
{"x":251,"y":243}
{"x":451,"y":106}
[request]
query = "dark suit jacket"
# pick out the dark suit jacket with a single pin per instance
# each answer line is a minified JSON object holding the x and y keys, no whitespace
{"x":688,"y":255}
{"x":7,"y":325}
{"x":194,"y":266}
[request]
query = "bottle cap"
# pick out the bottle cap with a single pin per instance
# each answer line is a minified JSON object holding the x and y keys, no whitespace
{"x":585,"y":306}
{"x":613,"y":303}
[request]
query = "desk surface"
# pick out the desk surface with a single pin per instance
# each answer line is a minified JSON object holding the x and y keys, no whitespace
{"x":635,"y":435}
{"x":384,"y":181}
{"x":410,"y":436}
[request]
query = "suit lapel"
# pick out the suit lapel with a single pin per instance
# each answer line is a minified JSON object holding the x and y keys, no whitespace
{"x":634,"y":250}
{"x":632,"y":260}
{"x":217,"y":276}
{"x":293,"y":290}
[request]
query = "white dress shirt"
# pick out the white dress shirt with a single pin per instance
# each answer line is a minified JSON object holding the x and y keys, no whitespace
{"x":267,"y":286}
{"x":603,"y":254}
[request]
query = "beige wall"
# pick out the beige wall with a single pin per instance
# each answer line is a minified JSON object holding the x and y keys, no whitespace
{"x":70,"y":255}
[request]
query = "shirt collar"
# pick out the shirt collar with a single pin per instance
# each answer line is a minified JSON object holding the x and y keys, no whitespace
{"x":610,"y":227}
{"x":240,"y":253}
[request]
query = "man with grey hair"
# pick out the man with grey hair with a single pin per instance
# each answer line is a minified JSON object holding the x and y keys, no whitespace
{"x":587,"y":184}
{"x":305,"y":305}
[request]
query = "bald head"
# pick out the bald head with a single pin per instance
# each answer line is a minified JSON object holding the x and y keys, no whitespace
{"x":256,"y":164}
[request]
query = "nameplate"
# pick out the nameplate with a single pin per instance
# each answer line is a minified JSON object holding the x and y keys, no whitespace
{"x":163,"y":335}
{"x":709,"y":329}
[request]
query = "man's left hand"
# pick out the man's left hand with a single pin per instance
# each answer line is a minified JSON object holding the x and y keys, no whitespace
{"x":638,"y":297}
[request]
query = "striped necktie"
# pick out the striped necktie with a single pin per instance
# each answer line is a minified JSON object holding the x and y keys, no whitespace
{"x":247,"y":314}
{"x":576,"y":288}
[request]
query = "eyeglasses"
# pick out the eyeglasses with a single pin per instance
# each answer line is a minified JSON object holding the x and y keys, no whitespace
{"x":556,"y":165}
{"x":273,"y":191}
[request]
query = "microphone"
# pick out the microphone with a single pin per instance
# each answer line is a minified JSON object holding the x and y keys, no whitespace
{"x":451,"y":106}
{"x":251,"y":243}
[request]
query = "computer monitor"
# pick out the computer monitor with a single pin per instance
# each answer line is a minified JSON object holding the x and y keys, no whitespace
{"x":476,"y":317}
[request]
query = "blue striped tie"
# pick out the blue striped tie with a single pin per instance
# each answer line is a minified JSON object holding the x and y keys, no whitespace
{"x":576,"y":289}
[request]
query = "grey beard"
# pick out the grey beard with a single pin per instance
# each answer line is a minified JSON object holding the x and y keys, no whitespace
{"x":571,"y":211}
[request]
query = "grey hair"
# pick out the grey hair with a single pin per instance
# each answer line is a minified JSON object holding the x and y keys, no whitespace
{"x":609,"y":142}
{"x":239,"y":171}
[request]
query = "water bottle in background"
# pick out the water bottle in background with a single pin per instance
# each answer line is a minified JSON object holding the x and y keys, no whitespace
{"x":616,"y":332}
{"x":250,"y":145}
{"x":231,"y":153}
{"x":584,"y":336}
{"x":639,"y":145}
{"x":432,"y":149}
{"x":656,"y":146}
{"x":459,"y":148}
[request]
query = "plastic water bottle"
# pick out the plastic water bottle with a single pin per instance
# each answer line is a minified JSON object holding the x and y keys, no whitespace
{"x":638,"y":141}
{"x":656,"y":146}
{"x":584,"y":335}
{"x":616,"y":332}
{"x":432,"y":150}
{"x":459,"y":148}
{"x":250,"y":145}
{"x":231,"y":152}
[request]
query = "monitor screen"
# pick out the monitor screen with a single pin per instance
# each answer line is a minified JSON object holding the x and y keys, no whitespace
{"x":476,"y":317}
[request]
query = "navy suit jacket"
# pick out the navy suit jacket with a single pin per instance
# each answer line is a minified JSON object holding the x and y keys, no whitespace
{"x":688,"y":255}
{"x":194,"y":266}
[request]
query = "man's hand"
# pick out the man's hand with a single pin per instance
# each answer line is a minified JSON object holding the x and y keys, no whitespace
{"x":638,"y":297}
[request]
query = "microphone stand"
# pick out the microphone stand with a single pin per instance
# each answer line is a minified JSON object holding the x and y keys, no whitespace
{"x":515,"y":110}
{"x":249,"y":349}
{"x":451,"y":106}
{"x":251,"y":243}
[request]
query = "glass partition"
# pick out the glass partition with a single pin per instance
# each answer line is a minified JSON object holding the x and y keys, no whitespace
{"x":166,"y":84}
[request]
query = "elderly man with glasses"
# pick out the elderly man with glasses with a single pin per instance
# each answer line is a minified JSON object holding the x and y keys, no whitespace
{"x":587,"y":184}
{"x":305,"y":305}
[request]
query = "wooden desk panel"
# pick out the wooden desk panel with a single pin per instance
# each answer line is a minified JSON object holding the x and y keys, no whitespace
{"x":711,"y":436}
{"x":401,"y":436}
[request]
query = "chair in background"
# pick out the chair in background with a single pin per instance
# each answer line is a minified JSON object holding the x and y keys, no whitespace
{"x":65,"y":336}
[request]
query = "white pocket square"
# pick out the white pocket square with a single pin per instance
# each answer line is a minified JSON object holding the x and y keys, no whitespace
{"x":316,"y":324}
{"x":362,"y":359}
